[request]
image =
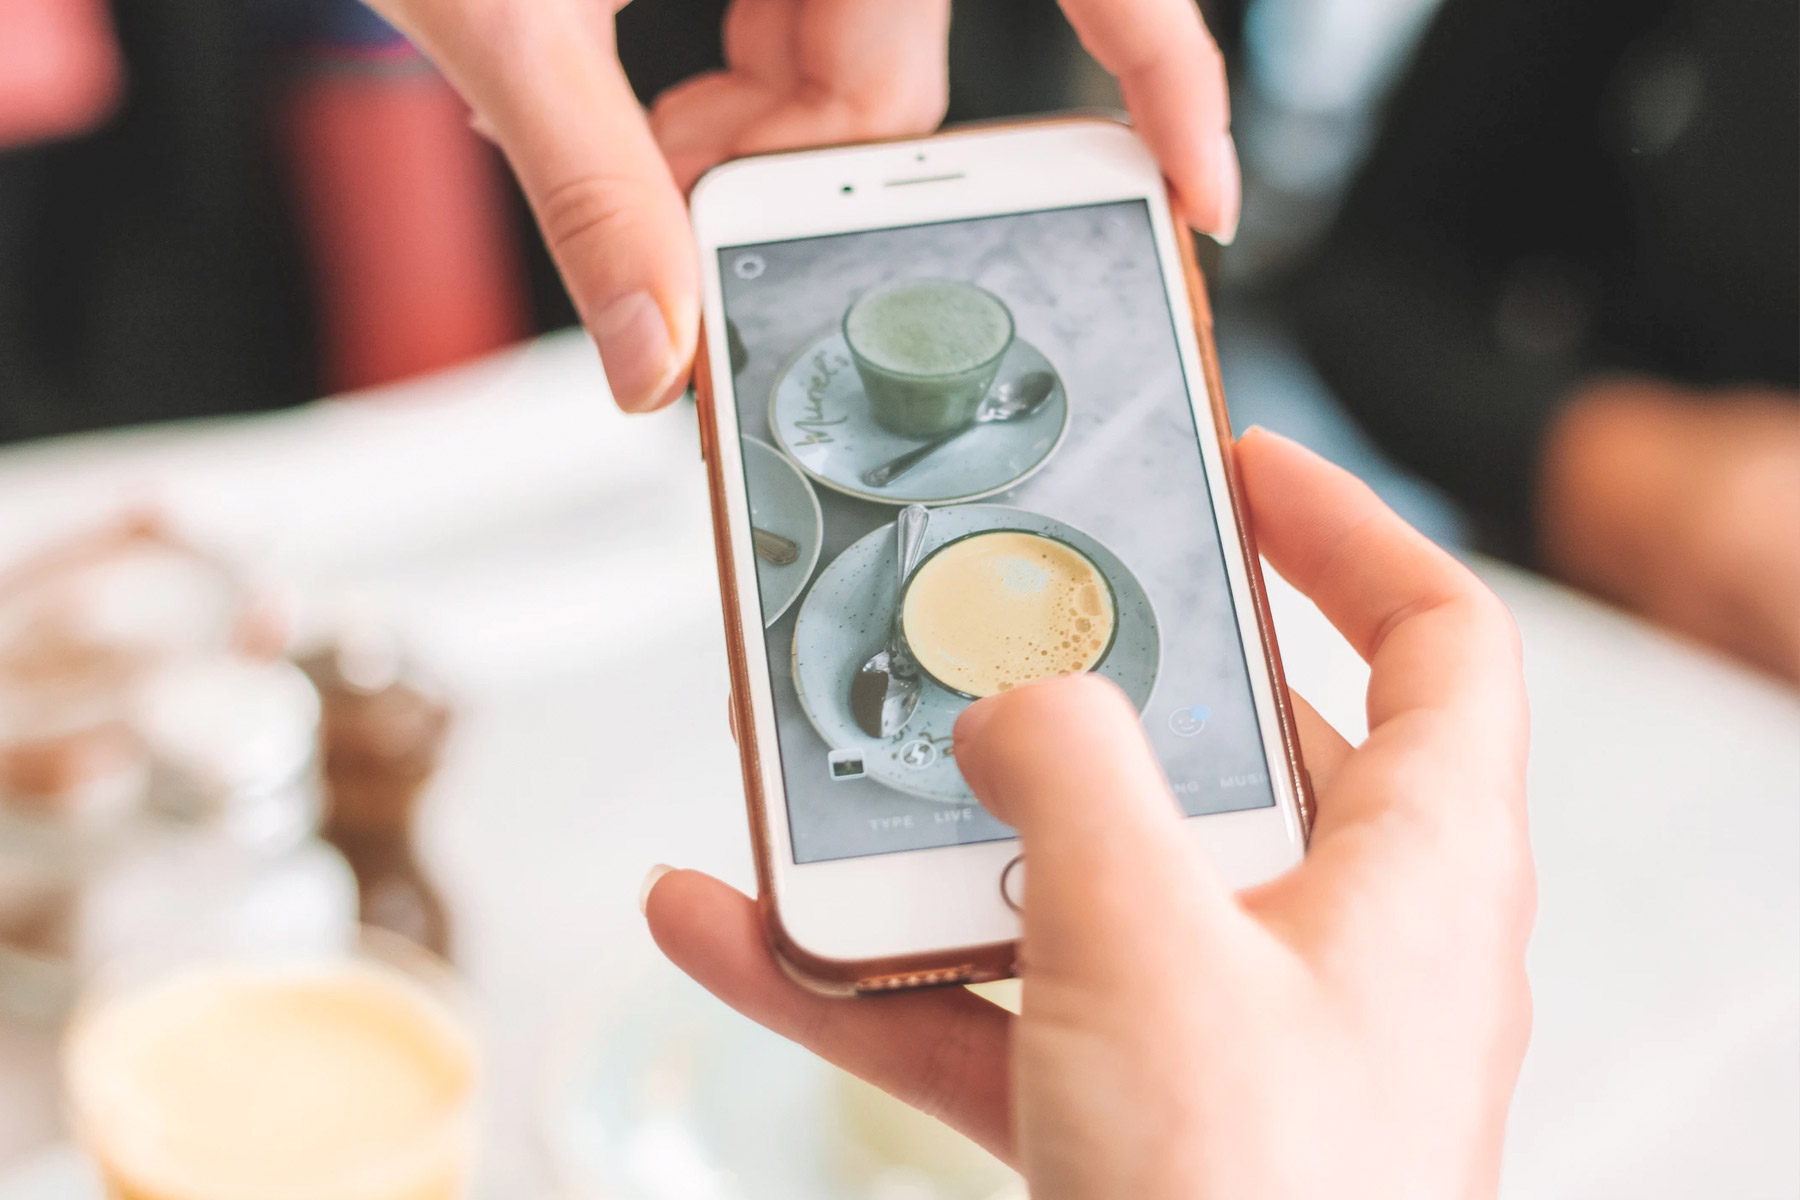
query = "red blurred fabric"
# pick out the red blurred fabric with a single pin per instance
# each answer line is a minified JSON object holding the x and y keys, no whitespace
{"x":405,"y":220}
{"x":60,"y":70}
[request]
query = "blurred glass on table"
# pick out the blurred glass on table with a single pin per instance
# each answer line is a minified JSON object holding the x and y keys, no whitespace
{"x":163,"y":768}
{"x":201,"y":1071}
{"x":82,"y":625}
{"x":663,"y":1093}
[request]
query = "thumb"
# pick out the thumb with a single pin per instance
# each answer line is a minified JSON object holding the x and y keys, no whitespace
{"x":1112,"y":878}
{"x":544,"y":79}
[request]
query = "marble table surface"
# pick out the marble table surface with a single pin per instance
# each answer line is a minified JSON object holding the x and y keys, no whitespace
{"x":553,"y":559}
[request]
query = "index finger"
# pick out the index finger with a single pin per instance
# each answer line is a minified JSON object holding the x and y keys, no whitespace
{"x":1446,"y":698}
{"x":1114,"y":881}
{"x":1173,"y":79}
{"x":1433,"y":634}
{"x":543,"y":76}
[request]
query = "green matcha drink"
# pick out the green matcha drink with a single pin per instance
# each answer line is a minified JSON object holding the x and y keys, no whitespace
{"x":927,"y":351}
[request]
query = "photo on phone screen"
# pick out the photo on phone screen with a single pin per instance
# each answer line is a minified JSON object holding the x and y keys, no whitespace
{"x":1018,"y":377}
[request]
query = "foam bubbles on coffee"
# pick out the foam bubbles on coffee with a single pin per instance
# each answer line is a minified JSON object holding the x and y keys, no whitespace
{"x":995,"y":610}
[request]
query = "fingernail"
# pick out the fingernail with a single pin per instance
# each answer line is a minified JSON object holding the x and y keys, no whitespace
{"x":649,"y":885}
{"x":635,"y":350}
{"x":1231,"y":194}
{"x":480,"y":125}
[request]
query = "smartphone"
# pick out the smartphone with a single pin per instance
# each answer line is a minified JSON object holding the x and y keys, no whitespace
{"x":961,"y":415}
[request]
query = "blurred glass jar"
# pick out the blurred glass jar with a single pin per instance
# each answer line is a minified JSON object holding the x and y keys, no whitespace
{"x":226,"y":849}
{"x":80,"y":624}
{"x":63,"y":810}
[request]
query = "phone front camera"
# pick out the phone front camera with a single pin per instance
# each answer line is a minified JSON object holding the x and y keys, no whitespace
{"x":847,"y":189}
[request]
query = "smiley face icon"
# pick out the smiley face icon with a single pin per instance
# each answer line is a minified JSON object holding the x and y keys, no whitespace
{"x":1186,"y":722}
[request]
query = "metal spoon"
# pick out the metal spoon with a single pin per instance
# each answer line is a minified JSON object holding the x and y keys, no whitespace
{"x":1013,"y":400}
{"x":772,"y":547}
{"x":885,"y":691}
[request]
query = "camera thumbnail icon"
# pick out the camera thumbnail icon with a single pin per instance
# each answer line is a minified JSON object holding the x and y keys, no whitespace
{"x":845,"y":764}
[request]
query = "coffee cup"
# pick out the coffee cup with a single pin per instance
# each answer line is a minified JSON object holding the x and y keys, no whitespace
{"x":997,"y":608}
{"x":311,"y":1076}
{"x":927,"y":351}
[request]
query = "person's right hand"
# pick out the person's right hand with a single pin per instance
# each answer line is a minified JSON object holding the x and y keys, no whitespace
{"x":1351,"y":1029}
{"x":546,"y":84}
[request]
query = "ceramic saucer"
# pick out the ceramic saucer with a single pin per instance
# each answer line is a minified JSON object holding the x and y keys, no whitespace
{"x":783,"y":502}
{"x":845,"y":617}
{"x":821,"y":418}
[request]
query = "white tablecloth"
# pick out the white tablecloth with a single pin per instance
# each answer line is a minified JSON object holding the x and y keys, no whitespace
{"x":552,"y":558}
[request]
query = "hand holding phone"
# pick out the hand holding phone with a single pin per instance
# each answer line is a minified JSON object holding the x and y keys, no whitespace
{"x":545,"y":83}
{"x":1354,"y":1028}
{"x":1013,"y":313}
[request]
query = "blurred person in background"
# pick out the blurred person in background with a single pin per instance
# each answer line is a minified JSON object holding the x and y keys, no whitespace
{"x":1563,"y":288}
{"x":211,"y":207}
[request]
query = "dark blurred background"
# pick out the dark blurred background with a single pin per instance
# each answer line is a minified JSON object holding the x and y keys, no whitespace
{"x":204,"y":228}
{"x":1529,"y":268}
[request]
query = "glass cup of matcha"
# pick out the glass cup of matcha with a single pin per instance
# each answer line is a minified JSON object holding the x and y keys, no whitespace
{"x":927,"y":351}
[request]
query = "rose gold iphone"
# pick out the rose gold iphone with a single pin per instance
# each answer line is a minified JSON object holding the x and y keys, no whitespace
{"x":963,"y":430}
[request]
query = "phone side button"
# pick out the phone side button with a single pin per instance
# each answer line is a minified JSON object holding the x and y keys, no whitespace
{"x":1012,"y":884}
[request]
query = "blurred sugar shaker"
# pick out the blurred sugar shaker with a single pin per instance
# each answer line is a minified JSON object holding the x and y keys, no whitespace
{"x":227,"y":853}
{"x":385,"y":725}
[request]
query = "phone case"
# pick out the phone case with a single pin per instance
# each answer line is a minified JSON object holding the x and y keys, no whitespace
{"x":961,"y":964}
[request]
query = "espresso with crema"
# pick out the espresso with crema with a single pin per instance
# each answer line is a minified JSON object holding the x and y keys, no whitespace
{"x":994,"y":610}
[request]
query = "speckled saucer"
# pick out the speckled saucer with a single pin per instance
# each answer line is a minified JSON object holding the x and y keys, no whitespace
{"x":782,"y":501}
{"x":844,"y":619}
{"x":819,"y":415}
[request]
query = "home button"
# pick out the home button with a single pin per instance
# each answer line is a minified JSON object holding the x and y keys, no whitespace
{"x":1012,"y":884}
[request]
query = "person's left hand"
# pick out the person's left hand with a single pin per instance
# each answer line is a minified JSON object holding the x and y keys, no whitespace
{"x":544,"y":79}
{"x":545,"y":83}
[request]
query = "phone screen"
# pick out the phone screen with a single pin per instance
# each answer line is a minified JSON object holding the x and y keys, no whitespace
{"x":1018,"y":377}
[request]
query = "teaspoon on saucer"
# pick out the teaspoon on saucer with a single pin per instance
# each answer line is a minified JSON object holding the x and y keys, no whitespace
{"x":885,"y":690}
{"x":773,"y":548}
{"x":1013,"y":400}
